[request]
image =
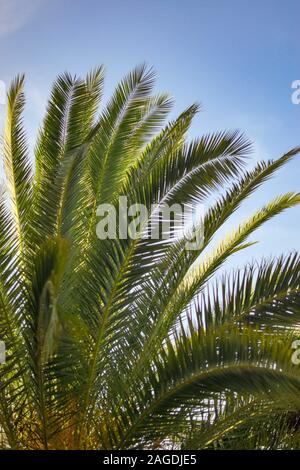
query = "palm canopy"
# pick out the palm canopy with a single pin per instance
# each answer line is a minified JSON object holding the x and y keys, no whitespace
{"x":129,"y":343}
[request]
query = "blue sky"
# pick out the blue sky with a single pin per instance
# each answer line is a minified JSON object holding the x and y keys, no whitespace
{"x":238,"y":58}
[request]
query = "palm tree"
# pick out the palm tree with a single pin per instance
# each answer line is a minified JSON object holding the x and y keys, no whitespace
{"x":132,"y":343}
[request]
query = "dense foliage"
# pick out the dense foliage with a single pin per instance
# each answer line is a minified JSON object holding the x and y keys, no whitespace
{"x":130,"y":343}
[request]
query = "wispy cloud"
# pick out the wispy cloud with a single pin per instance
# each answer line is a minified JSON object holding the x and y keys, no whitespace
{"x":15,"y":13}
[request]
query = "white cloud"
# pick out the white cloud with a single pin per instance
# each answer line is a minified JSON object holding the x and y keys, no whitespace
{"x":15,"y":13}
{"x":36,"y":100}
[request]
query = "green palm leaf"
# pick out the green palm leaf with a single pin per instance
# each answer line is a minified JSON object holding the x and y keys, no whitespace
{"x":135,"y":342}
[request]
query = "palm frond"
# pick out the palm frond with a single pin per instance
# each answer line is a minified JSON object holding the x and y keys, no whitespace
{"x":17,"y":165}
{"x":130,"y":342}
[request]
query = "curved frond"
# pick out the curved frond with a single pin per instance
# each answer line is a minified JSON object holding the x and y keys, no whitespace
{"x":17,"y":165}
{"x":126,"y":341}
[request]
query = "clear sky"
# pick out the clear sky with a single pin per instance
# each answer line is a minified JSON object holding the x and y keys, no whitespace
{"x":237,"y":57}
